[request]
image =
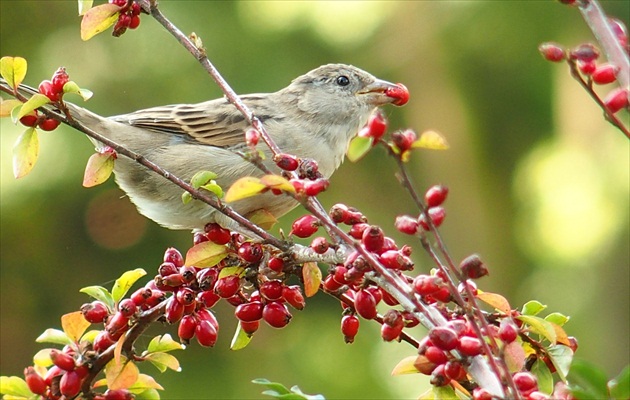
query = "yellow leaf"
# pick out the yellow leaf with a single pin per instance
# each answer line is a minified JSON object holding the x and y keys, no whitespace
{"x":25,"y":153}
{"x":6,"y":106}
{"x":262,"y":218}
{"x":121,"y":375}
{"x":431,"y":140}
{"x":97,"y":19}
{"x":227,"y":271}
{"x":205,"y":254}
{"x":74,"y":325}
{"x":162,"y":361}
{"x":13,"y":69}
{"x":98,"y":169}
{"x":405,"y":366}
{"x":312,"y":276}
{"x":126,"y":280}
{"x":243,"y":188}
{"x":277,"y":182}
{"x":495,"y":300}
{"x":143,"y":383}
{"x":42,"y":358}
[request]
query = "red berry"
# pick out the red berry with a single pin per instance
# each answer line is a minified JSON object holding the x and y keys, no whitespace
{"x":134,"y":22}
{"x":525,"y":382}
{"x":186,"y":328}
{"x":437,"y":215}
{"x":250,"y":327}
{"x":34,"y":381}
{"x":354,"y":217}
{"x":207,"y":277}
{"x":481,"y":393}
{"x":276,"y":264}
{"x":199,"y":237}
{"x":276,"y":314}
{"x":313,"y":188}
{"x":227,"y":286}
{"x":573,"y":344}
{"x":206,"y":333}
{"x":455,"y":371}
{"x":388,"y":298}
{"x":435,"y":355}
{"x":171,"y":282}
{"x":95,"y":312}
{"x":208,"y":298}
{"x":605,"y":73}
{"x":286,"y":162}
{"x":469,"y":346}
{"x":140,"y":296}
{"x":203,"y":314}
{"x":271,"y":290}
{"x":404,"y":139}
{"x":377,"y":124}
{"x":330,"y":284}
{"x":552,"y":51}
{"x":102,"y":342}
{"x":407,"y":225}
{"x":167,"y":268}
{"x":438,"y":376}
{"x":60,"y":78}
{"x":47,"y":89}
{"x":435,"y":195}
{"x":389,"y":333}
{"x":293,"y":296}
{"x":29,"y":120}
{"x":250,"y":252}
{"x":373,"y":239}
{"x":185,"y":296}
{"x":172,"y":255}
{"x":472,"y":267}
{"x":508,"y":331}
{"x":49,"y":124}
{"x":349,"y":327}
{"x":305,"y":226}
{"x":339,"y":274}
{"x":444,"y":338}
{"x":427,"y":284}
{"x":127,"y":307}
{"x":338,"y":213}
{"x":536,"y":395}
{"x":174,"y":310}
{"x":70,"y":384}
{"x":365,"y":304}
{"x":399,"y":93}
{"x":393,"y":259}
{"x":585,"y":52}
{"x":249,"y":312}
{"x":587,"y":67}
{"x":319,"y":245}
{"x":617,"y":99}
{"x":118,"y":394}
{"x":217,"y":234}
{"x":356,"y":231}
{"x":619,"y":29}
{"x":252,"y":137}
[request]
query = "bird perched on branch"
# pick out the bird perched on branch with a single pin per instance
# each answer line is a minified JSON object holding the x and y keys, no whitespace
{"x":314,"y":117}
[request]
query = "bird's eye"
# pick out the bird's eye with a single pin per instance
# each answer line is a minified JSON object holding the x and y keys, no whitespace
{"x":342,"y":80}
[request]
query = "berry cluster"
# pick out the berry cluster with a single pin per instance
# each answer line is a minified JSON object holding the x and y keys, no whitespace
{"x":583,"y":60}
{"x":53,"y":89}
{"x":128,"y":17}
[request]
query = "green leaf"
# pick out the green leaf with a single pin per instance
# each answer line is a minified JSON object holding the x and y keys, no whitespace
{"x":13,"y":70}
{"x":241,"y":339}
{"x":406,"y":366}
{"x":227,"y":271}
{"x":201,"y":178}
{"x":561,"y":356}
{"x":84,"y":6}
{"x":544,"y":376}
{"x":279,"y":391}
{"x":54,"y":336}
{"x":444,"y":393}
{"x":101,"y":294}
{"x":359,"y":146}
{"x":587,"y":381}
{"x":163,"y":343}
{"x":14,"y":386}
{"x":557,"y":318}
{"x":533,"y":307}
{"x":619,"y":387}
{"x":32,"y":104}
{"x":72,"y":87}
{"x":163,"y":361}
{"x":214,"y":188}
{"x":539,"y":326}
{"x":276,"y":387}
{"x":25,"y":153}
{"x":126,"y":281}
{"x":97,"y":19}
{"x":149,"y":394}
{"x":206,"y":254}
{"x":186,"y":197}
{"x":98,"y":169}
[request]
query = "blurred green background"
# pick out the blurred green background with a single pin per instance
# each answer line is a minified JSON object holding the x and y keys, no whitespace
{"x":538,"y":180}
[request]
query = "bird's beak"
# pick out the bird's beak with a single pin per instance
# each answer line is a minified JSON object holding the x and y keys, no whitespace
{"x":382,"y":92}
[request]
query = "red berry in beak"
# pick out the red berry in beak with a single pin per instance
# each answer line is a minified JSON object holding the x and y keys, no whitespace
{"x":398,"y":92}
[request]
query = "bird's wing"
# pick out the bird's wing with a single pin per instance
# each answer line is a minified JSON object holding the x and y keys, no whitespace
{"x":215,"y":123}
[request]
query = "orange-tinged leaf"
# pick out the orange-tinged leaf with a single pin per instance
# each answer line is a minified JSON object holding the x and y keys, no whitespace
{"x":515,"y":356}
{"x":32,"y":104}
{"x":243,"y":188}
{"x":205,"y":254}
{"x":359,"y":146}
{"x":6,"y":106}
{"x":98,"y":169}
{"x":495,"y":300}
{"x":277,"y":182}
{"x":143,"y":383}
{"x":25,"y":153}
{"x":97,"y":19}
{"x":430,"y":140}
{"x":405,"y":366}
{"x":118,"y":357}
{"x":121,"y":375}
{"x":263,"y":218}
{"x":74,"y":325}
{"x":561,"y":335}
{"x":312,"y":276}
{"x":13,"y":70}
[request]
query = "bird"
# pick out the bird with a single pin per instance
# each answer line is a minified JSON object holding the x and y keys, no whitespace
{"x":314,"y":117}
